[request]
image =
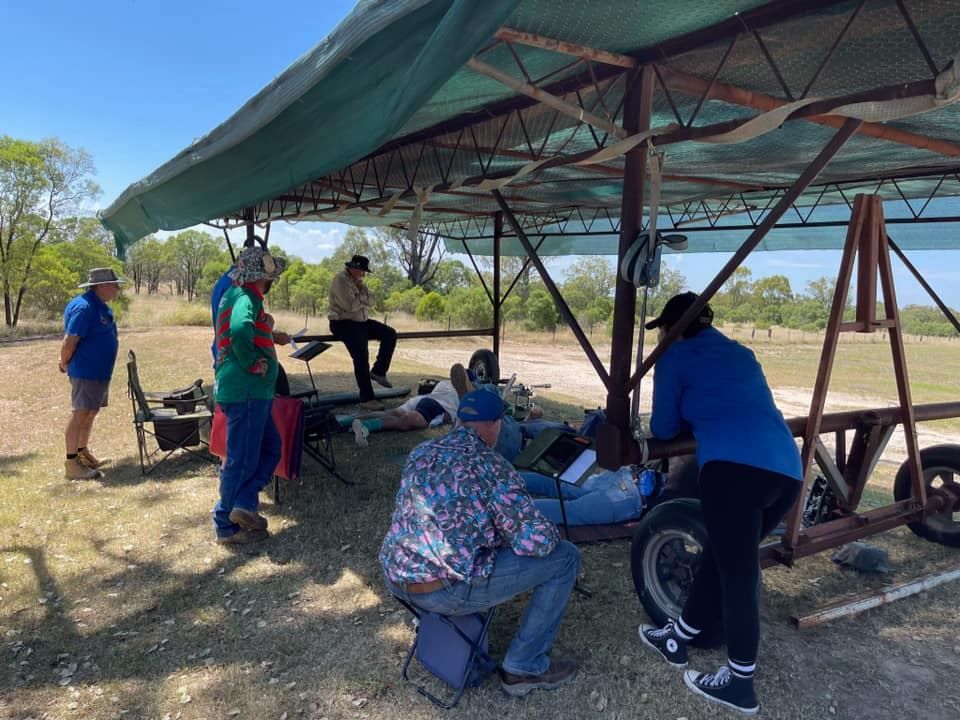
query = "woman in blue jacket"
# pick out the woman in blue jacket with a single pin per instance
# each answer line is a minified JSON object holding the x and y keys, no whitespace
{"x":750,"y":475}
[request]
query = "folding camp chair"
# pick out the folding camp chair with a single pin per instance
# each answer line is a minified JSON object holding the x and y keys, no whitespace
{"x":173,"y":418}
{"x":452,"y":649}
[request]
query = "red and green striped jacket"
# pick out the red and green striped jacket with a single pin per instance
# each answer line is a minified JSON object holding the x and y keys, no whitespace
{"x":243,"y":336}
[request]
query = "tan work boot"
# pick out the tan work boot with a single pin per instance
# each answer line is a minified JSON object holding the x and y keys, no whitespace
{"x":73,"y":469}
{"x":90,"y":460}
{"x":247,"y":519}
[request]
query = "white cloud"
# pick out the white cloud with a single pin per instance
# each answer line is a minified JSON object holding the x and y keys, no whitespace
{"x":311,"y":241}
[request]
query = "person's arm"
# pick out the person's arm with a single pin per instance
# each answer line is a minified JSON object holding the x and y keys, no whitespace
{"x":76,"y":326}
{"x":517,"y":519}
{"x":665,"y":420}
{"x":67,"y":349}
{"x":242,"y":320}
{"x":279,"y":337}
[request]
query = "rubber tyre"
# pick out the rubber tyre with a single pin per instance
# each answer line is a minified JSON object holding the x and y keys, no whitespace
{"x":937,"y":462}
{"x":661,"y":581}
{"x":486,"y":366}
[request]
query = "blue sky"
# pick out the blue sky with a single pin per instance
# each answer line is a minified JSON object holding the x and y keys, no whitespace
{"x":134,"y":82}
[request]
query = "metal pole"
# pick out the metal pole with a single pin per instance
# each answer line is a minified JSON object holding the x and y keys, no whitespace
{"x":554,"y":291}
{"x":497,"y":320}
{"x":865,"y":601}
{"x":808,"y":176}
{"x":924,"y":284}
{"x":637,"y":109}
{"x":248,"y":216}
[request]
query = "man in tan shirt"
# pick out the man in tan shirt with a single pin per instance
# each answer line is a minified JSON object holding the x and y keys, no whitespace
{"x":350,"y":323}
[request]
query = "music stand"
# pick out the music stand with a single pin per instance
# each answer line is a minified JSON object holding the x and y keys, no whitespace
{"x":307,"y":353}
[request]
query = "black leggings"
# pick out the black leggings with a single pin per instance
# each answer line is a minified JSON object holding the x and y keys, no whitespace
{"x":741,"y":505}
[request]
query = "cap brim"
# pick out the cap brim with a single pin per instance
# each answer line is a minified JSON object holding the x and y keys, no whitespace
{"x":655,"y":323}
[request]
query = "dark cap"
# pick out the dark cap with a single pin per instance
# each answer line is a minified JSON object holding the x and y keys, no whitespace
{"x":359,"y":262}
{"x":676,"y":307}
{"x":480,"y":406}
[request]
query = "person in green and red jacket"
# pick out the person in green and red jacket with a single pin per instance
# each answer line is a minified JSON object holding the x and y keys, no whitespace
{"x":246,"y":374}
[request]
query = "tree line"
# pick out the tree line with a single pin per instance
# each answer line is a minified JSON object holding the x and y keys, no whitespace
{"x":47,"y":245}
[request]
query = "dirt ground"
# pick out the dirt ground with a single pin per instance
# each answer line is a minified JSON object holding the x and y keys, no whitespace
{"x":115,"y":603}
{"x":571,"y":377}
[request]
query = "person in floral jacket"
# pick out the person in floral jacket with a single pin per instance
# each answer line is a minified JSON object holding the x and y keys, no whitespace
{"x":465,"y":536}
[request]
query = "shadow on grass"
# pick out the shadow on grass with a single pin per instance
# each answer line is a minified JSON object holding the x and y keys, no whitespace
{"x":9,"y":463}
{"x":316,"y":578}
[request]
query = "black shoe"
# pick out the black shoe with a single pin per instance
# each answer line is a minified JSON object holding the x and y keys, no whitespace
{"x":724,"y":688}
{"x":381,"y":380}
{"x":559,"y":673}
{"x":665,"y":641}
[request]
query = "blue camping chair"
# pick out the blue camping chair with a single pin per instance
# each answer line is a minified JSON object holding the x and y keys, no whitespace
{"x":452,"y":649}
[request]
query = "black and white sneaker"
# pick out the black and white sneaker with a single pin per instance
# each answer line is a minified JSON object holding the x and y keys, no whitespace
{"x":724,"y":688}
{"x":665,"y":641}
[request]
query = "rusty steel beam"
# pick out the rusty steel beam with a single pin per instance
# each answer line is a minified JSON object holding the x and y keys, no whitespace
{"x":561,"y":304}
{"x":713,"y":90}
{"x":807,"y":177}
{"x":548,"y":99}
{"x":613,"y":438}
{"x":871,"y":599}
{"x":692,"y":85}
{"x":924,"y":284}
{"x":830,"y":423}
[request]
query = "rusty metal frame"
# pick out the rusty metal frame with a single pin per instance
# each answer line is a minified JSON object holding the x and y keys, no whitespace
{"x":391,"y":176}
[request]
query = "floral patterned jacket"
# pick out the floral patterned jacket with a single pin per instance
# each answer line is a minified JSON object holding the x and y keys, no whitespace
{"x":459,"y":503}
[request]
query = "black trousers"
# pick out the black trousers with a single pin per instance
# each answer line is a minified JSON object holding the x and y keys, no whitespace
{"x":356,"y":336}
{"x":741,"y":506}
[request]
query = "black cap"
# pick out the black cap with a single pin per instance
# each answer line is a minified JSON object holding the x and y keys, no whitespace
{"x":676,"y":307}
{"x":359,"y":262}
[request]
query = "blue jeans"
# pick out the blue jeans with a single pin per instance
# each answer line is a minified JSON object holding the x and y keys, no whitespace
{"x":551,"y":578}
{"x":608,"y":497}
{"x":253,"y":451}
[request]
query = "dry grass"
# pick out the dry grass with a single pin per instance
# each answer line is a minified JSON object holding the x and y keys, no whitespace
{"x":117,"y":604}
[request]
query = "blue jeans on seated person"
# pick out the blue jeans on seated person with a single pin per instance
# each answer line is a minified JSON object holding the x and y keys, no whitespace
{"x":551,"y":578}
{"x":608,"y":497}
{"x":253,"y":451}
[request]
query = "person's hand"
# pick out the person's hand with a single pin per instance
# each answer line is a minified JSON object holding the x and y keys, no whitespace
{"x":63,"y":368}
{"x":260,"y":367}
{"x":281,"y":338}
{"x":268,"y":319}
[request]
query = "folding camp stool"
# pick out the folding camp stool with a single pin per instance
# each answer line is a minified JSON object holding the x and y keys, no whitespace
{"x":450,"y":648}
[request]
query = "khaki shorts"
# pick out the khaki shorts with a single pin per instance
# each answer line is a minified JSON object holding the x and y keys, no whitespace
{"x":89,"y":394}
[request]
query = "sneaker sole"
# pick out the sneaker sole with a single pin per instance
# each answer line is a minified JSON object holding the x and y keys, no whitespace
{"x":688,"y":681}
{"x":523,"y":689}
{"x":668,"y":661}
{"x":360,"y":434}
{"x":460,"y":381}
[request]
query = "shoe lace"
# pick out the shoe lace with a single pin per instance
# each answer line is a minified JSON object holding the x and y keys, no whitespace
{"x":663,"y":632}
{"x":718,"y":679}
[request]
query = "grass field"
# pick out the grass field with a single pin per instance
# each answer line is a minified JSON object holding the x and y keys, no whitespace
{"x":116,"y":603}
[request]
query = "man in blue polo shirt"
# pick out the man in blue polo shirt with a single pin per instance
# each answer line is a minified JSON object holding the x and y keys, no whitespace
{"x":87,"y":356}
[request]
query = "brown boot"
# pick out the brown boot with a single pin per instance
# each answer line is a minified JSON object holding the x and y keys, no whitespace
{"x":88,"y":459}
{"x":244,"y":537}
{"x":73,"y":469}
{"x":559,"y":673}
{"x":248,"y":520}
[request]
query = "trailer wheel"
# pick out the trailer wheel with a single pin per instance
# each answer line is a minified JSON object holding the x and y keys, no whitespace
{"x":941,"y":469}
{"x":486,"y":366}
{"x":664,"y":559}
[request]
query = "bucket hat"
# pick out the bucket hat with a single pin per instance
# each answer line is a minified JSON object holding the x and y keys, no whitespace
{"x":101,"y":276}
